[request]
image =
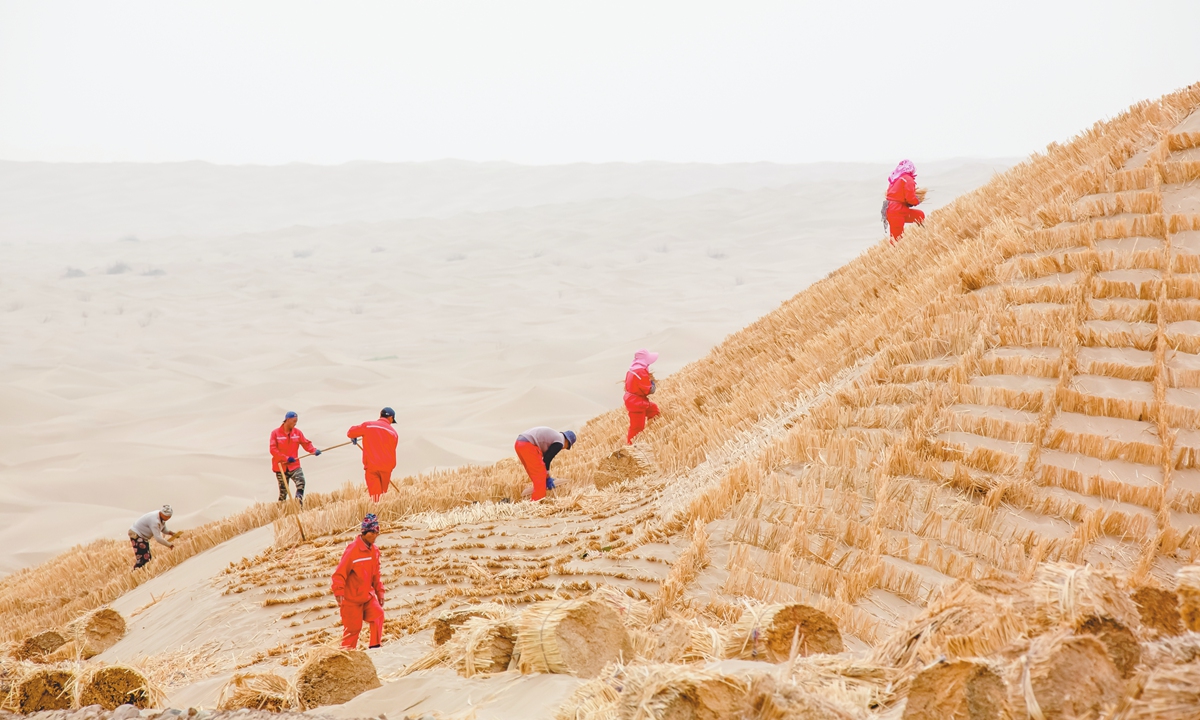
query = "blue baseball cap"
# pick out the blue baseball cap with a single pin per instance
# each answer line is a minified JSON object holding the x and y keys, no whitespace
{"x":388,"y":413}
{"x":289,"y":415}
{"x":570,"y":436}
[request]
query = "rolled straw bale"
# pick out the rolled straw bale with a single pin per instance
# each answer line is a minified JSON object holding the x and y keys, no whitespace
{"x":1122,"y":645}
{"x":633,"y":612}
{"x":1159,"y":610}
{"x":622,"y":465}
{"x":958,"y":690}
{"x":578,"y":637}
{"x":670,"y":640}
{"x":595,"y":699}
{"x":39,"y":646}
{"x":97,"y":631}
{"x":1064,"y":676}
{"x":1066,"y":593}
{"x":256,"y":691}
{"x":768,"y":632}
{"x":770,"y":699}
{"x":482,"y":646}
{"x":961,"y":621}
{"x":659,"y":692}
{"x":1170,"y":693}
{"x":111,"y":686}
{"x":445,"y":624}
{"x":44,"y":689}
{"x":1187,"y":588}
{"x":331,"y":676}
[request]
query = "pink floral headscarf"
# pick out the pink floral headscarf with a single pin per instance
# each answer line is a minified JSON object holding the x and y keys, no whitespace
{"x":905,"y":166}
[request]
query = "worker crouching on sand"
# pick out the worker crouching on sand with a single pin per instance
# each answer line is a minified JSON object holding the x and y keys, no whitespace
{"x":536,"y":448}
{"x":286,"y":441}
{"x":902,"y":198}
{"x":639,"y":386}
{"x":358,"y":587}
{"x":379,"y":440}
{"x":151,"y":525}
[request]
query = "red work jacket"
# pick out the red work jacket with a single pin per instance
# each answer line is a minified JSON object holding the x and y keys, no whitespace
{"x":285,"y":445}
{"x":357,"y":575}
{"x":379,"y":443}
{"x":903,"y":192}
{"x":638,"y":387}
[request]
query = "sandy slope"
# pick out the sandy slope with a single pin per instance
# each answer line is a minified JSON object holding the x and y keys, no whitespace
{"x":156,"y":375}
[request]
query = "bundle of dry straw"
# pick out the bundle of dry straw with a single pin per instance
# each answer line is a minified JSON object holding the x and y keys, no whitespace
{"x":257,"y":691}
{"x":578,"y":637}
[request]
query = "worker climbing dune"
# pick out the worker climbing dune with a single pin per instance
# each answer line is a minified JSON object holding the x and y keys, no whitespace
{"x":902,"y":198}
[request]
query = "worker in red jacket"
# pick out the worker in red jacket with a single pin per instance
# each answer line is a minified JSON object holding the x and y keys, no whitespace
{"x":536,"y":448}
{"x":902,"y":199}
{"x":358,"y":587}
{"x":379,"y":440}
{"x":286,"y":441}
{"x":639,"y":386}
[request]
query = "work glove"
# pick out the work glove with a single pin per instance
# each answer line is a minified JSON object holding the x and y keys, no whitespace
{"x":355,"y":441}
{"x":317,"y":451}
{"x":291,"y":459}
{"x":549,"y":483}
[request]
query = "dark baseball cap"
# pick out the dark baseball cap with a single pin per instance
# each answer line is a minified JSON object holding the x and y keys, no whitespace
{"x":388,"y":413}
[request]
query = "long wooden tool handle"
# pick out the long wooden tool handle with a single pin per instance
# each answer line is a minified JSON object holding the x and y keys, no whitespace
{"x":331,"y":447}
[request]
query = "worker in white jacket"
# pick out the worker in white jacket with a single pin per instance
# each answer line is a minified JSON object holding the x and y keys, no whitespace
{"x":151,"y":525}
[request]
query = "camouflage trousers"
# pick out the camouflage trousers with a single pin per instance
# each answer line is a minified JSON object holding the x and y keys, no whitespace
{"x":297,"y":478}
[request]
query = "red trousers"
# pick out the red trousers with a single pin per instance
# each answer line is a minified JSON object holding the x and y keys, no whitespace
{"x":378,"y":482}
{"x":638,"y":415}
{"x":898,"y":214}
{"x":353,"y":615}
{"x":531,"y":457}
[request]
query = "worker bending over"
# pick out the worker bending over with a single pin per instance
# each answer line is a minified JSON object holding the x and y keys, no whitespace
{"x":902,"y":198}
{"x":379,"y":440}
{"x":285,"y":444}
{"x":151,"y":525}
{"x":358,"y":587}
{"x":536,"y":448}
{"x":639,"y":386}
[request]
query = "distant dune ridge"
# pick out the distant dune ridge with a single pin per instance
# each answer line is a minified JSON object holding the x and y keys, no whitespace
{"x":966,"y":460}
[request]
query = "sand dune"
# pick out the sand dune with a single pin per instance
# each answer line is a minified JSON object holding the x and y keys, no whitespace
{"x":152,"y":371}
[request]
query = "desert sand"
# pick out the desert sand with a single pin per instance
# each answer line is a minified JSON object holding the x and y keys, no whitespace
{"x":954,"y":477}
{"x":150,"y":371}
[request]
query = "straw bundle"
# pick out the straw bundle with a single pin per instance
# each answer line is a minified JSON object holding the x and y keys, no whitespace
{"x":39,"y":646}
{"x":333,"y":676}
{"x":595,"y":699}
{"x":111,"y":686}
{"x":660,"y":692}
{"x":44,"y":689}
{"x":1062,"y":677}
{"x":1159,"y":610}
{"x":1179,"y":650}
{"x":1065,"y":593}
{"x":482,"y":646}
{"x":961,"y":621}
{"x":959,"y":690}
{"x":624,"y":464}
{"x":1187,"y":588}
{"x":769,"y":632}
{"x":1170,"y":693}
{"x":578,"y":637}
{"x":256,"y":691}
{"x":444,"y":625}
{"x":1119,"y":641}
{"x":97,"y":631}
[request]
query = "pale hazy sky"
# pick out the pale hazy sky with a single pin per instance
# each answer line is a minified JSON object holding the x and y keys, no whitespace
{"x":562,"y":81}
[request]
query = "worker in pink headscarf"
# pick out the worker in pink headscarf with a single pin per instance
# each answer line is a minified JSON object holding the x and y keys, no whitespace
{"x":639,"y":386}
{"x":902,"y":199}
